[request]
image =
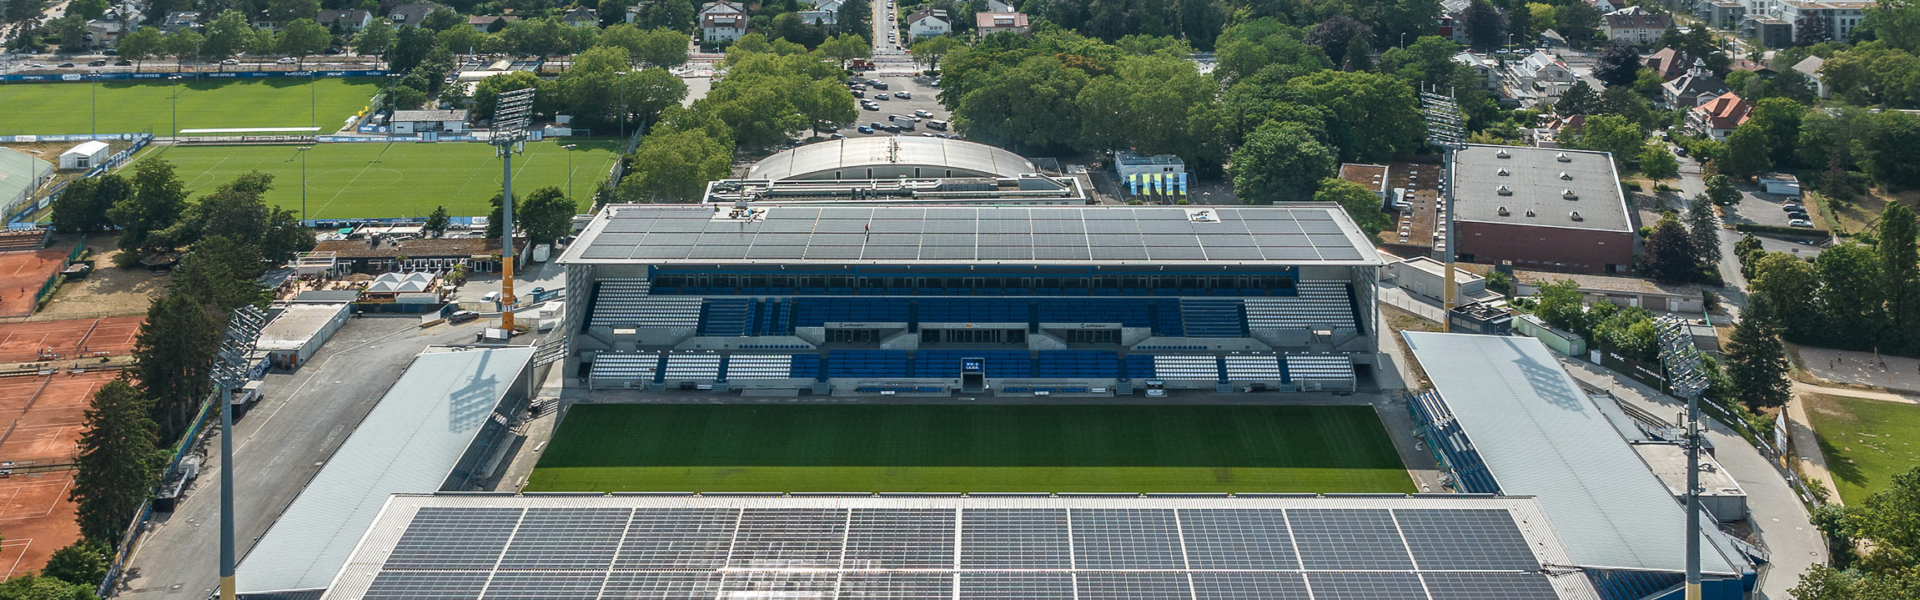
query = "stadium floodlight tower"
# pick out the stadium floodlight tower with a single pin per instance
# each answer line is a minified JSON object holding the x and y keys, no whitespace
{"x":510,"y":119}
{"x":230,"y":370}
{"x":1687,"y":376}
{"x":1447,"y":130}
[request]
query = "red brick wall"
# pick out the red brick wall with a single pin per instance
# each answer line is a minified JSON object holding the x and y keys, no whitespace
{"x":1546,"y":248}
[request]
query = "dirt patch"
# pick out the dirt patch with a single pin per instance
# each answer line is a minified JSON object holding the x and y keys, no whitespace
{"x":1860,"y":215}
{"x":107,"y":292}
{"x":1400,"y":320}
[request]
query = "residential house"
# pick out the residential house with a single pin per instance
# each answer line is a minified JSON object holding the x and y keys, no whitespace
{"x":992,"y":23}
{"x":832,"y":6}
{"x":1811,"y":68}
{"x":105,"y":32}
{"x":1693,"y":89}
{"x":722,"y":21}
{"x":928,"y":22}
{"x":349,"y":20}
{"x":1841,"y":16}
{"x":1606,"y":6}
{"x":1719,"y":116}
{"x":1540,"y":78}
{"x":1636,"y":25}
{"x":1722,"y":14}
{"x":411,"y":15}
{"x":819,"y":17}
{"x":1668,"y":62}
{"x":176,"y":21}
{"x":998,"y":6}
{"x":1451,"y":24}
{"x":581,"y":16}
{"x":1486,"y":68}
{"x":490,"y":24}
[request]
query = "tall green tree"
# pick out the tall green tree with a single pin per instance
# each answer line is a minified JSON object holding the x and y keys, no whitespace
{"x":1657,"y":163}
{"x":675,"y":166}
{"x":32,"y":587}
{"x":1618,"y":65}
{"x":546,"y":215}
{"x":238,"y":210}
{"x":227,"y":35}
{"x":1747,"y":152}
{"x":1756,"y":361}
{"x":159,"y":197}
{"x":1280,"y":162}
{"x":1791,"y":288}
{"x":219,"y":273}
{"x":83,"y":562}
{"x":119,"y":460}
{"x":1703,"y":229}
{"x":375,"y":39}
{"x":303,"y":37}
{"x":437,"y":221}
{"x":1898,"y":253}
{"x":1360,"y":203}
{"x":1373,"y":115}
{"x":141,"y":44}
{"x":1608,"y":133}
{"x":1851,"y":299}
{"x":1670,"y":255}
{"x":1720,"y":189}
{"x":82,"y":207}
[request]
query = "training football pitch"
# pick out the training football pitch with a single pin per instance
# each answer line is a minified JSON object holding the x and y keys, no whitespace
{"x":1866,"y":442}
{"x":970,"y":448}
{"x":128,"y":107}
{"x":401,"y":179}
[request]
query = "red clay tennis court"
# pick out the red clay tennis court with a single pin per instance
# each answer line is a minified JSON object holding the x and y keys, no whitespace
{"x":37,"y":518}
{"x":72,"y":339}
{"x":22,"y":274}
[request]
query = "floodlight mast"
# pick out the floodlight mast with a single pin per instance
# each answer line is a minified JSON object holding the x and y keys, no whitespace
{"x":1687,"y":376}
{"x":515,"y":110}
{"x":230,"y":370}
{"x":1447,"y":130}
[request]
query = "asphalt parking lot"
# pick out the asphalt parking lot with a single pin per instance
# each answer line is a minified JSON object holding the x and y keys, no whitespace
{"x":1758,"y":207}
{"x":925,"y":97}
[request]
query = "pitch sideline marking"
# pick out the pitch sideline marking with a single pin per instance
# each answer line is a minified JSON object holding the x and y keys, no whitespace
{"x":356,"y":177}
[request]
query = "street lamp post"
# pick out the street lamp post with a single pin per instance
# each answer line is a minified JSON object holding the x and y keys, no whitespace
{"x":570,"y":171}
{"x":303,"y":181}
{"x":623,"y":103}
{"x":176,"y":104}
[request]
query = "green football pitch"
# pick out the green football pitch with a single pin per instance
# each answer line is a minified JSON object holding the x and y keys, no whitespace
{"x":403,"y":179}
{"x":1866,"y":442}
{"x":976,"y":448}
{"x":128,"y":107}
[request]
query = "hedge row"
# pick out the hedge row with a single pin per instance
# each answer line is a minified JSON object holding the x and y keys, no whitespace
{"x":1776,"y":229}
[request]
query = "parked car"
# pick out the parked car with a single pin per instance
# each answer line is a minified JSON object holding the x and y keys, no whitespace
{"x":922,"y":113}
{"x":123,"y":63}
{"x":1792,"y":208}
{"x":66,"y":65}
{"x":882,"y":96}
{"x":286,"y":60}
{"x":1800,"y":223}
{"x":859,"y":94}
{"x":865,"y":129}
{"x":878,"y":85}
{"x":857,"y":86}
{"x":98,"y":63}
{"x":836,"y":136}
{"x":230,"y":62}
{"x":903,"y":95}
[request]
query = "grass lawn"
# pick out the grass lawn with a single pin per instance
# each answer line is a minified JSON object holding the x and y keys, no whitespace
{"x":977,"y":448}
{"x":355,"y":180}
{"x":1866,"y":442}
{"x":128,"y":107}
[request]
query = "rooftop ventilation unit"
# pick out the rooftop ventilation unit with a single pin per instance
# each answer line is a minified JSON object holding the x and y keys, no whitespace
{"x":1503,"y":173}
{"x":1575,"y":215}
{"x":1503,"y":154}
{"x":1502,"y":190}
{"x":1568,"y":194}
{"x":1562,"y":157}
{"x":1565,"y":176}
{"x":1503,"y":211}
{"x":1529,"y":212}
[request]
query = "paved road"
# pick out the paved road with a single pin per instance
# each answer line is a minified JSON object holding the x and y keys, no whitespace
{"x":1776,"y":513}
{"x":279,"y":445}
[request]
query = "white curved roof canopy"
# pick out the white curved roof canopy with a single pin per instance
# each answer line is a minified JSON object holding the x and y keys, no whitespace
{"x":890,"y":157}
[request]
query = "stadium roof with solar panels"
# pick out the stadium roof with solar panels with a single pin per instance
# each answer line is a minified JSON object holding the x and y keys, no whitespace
{"x":1300,"y":234}
{"x":1436,"y":547}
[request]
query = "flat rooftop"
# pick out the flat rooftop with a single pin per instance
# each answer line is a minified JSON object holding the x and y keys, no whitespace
{"x":1299,"y":234}
{"x":1538,"y":180}
{"x":296,"y":324}
{"x":1540,"y":435}
{"x":943,"y":546}
{"x":411,"y":442}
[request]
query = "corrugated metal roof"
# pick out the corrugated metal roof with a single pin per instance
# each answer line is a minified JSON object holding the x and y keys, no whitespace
{"x":408,"y":444}
{"x":967,"y":159}
{"x":1541,"y":436}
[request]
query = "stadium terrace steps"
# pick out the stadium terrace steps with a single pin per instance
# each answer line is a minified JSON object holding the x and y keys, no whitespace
{"x":622,"y":369}
{"x":726,"y":317}
{"x":1213,"y":318}
{"x":685,"y":366}
{"x":1319,"y":303}
{"x":759,"y":366}
{"x":645,"y":311}
{"x":619,"y":369}
{"x":1320,"y":366}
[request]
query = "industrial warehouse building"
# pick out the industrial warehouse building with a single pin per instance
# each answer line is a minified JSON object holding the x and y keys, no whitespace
{"x":1088,"y":300}
{"x":1545,"y":209}
{"x":1504,"y":417}
{"x":898,"y":170}
{"x":439,"y":428}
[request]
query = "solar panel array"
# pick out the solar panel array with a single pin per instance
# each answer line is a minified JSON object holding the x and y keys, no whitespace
{"x":947,"y":235}
{"x":947,"y":552}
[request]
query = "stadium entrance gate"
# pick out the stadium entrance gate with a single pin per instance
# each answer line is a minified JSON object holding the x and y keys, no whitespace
{"x":973,"y":375}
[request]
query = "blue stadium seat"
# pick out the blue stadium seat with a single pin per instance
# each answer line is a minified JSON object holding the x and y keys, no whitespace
{"x":1140,"y":366}
{"x":1089,"y":364}
{"x":1213,"y":318}
{"x":726,"y":317}
{"x":814,"y":312}
{"x":946,"y":363}
{"x":868,"y":363}
{"x":972,"y":310}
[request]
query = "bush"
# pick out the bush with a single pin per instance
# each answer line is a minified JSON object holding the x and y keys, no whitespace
{"x":126,"y":260}
{"x":1632,"y":186}
{"x":1776,"y":229}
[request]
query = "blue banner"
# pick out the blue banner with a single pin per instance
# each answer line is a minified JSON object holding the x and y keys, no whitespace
{"x":95,"y":77}
{"x":76,"y":137}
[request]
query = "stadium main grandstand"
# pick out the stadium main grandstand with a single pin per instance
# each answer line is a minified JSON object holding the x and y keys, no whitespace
{"x":1030,"y":300}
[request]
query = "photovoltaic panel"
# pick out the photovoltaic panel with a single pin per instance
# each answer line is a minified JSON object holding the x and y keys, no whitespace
{"x":628,"y":585}
{"x":1134,"y":585}
{"x":995,"y":538}
{"x":897,"y":586}
{"x":547,"y":585}
{"x":788,"y":538}
{"x":566,"y":539}
{"x":1061,"y":253}
{"x":1348,"y":539}
{"x":1250,"y":586}
{"x":1374,"y":585}
{"x":1475,"y":540}
{"x":1002,"y":585}
{"x":1171,"y":253}
{"x":1489,"y":586}
{"x":1230,"y":538}
{"x":1119,"y":253}
{"x":453,"y":539}
{"x":426,"y":585}
{"x":778,"y":584}
{"x":671,"y":539}
{"x":760,"y":252}
{"x":900,"y":539}
{"x":1125,"y":539}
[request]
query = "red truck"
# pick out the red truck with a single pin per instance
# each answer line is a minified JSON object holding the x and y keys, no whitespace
{"x":861,"y":64}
